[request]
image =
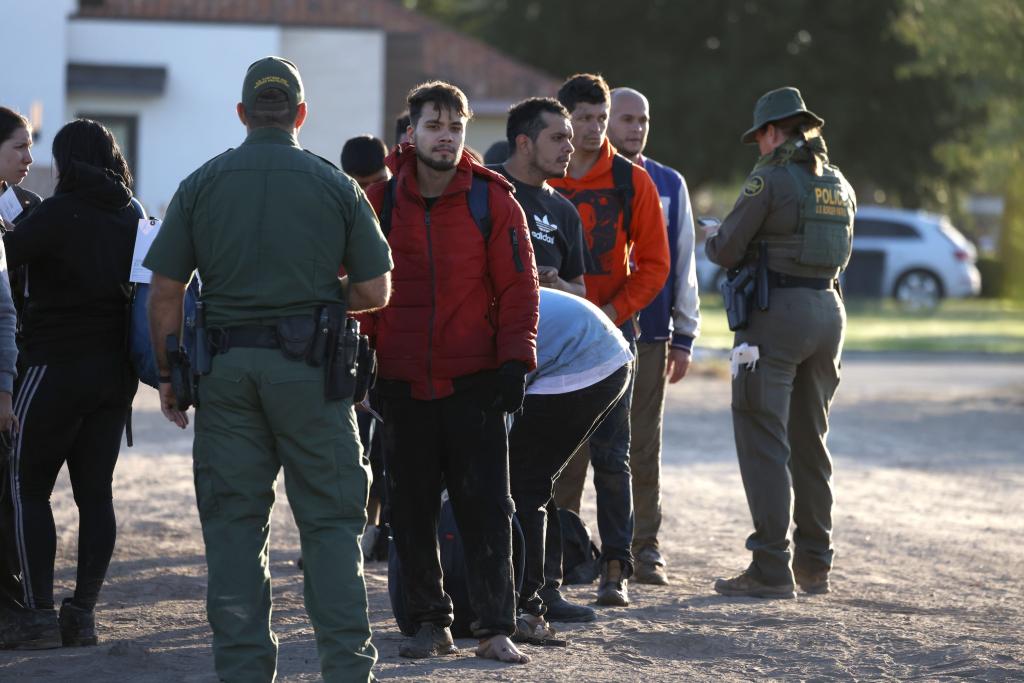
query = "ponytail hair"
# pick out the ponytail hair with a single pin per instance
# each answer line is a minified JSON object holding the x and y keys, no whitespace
{"x":87,"y":142}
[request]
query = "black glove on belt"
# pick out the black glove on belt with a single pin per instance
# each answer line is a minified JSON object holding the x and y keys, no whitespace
{"x":511,"y":386}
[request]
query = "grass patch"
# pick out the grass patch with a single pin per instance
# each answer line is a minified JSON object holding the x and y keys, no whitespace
{"x":964,"y":325}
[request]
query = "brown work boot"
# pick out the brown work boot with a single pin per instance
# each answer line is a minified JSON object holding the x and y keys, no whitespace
{"x":612,"y":591}
{"x":650,"y":567}
{"x":430,"y":640}
{"x":746,"y":585}
{"x":813,"y":582}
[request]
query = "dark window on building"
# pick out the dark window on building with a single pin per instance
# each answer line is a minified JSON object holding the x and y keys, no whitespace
{"x":874,"y":228}
{"x":125,"y":130}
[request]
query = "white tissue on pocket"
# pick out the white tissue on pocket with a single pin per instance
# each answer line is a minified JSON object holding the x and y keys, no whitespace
{"x":744,"y":354}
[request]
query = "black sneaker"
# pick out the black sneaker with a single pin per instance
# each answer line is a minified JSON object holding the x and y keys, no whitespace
{"x":430,"y":640}
{"x":77,"y":625}
{"x":565,"y":612}
{"x":29,"y":629}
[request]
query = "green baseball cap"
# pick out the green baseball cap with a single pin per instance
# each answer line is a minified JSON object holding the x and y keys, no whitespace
{"x":776,"y":105}
{"x":272,"y":72}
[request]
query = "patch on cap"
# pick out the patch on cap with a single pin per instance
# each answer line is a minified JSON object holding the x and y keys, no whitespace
{"x":272,"y":72}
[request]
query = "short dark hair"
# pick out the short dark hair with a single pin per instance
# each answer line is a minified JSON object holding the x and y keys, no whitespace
{"x":589,"y":88}
{"x":11,"y":121}
{"x":271,"y":109}
{"x":497,"y":153}
{"x":524,"y":118}
{"x":87,"y":142}
{"x":363,"y":155}
{"x":442,"y":95}
{"x":401,"y":125}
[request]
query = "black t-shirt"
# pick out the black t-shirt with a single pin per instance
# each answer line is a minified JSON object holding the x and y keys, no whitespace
{"x":555,"y":228}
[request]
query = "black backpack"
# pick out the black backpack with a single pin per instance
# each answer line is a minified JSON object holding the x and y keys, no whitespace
{"x":478,"y":199}
{"x":580,"y":556}
{"x":622,"y":176}
{"x":453,"y":566}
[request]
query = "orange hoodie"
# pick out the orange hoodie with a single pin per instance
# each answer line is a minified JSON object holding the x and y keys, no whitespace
{"x":629,"y":288}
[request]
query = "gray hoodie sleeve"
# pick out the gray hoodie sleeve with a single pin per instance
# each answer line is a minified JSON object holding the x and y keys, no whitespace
{"x":685,"y":299}
{"x":8,"y":324}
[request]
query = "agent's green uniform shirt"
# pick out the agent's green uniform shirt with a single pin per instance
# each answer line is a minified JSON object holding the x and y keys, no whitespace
{"x":768,"y":208}
{"x":268,"y":225}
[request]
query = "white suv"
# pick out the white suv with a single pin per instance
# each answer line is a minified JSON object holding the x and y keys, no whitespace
{"x":920,"y":256}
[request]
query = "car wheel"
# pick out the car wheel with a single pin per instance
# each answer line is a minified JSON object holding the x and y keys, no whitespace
{"x":918,"y":290}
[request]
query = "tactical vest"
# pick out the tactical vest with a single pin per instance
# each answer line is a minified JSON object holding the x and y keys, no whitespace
{"x":826,"y":218}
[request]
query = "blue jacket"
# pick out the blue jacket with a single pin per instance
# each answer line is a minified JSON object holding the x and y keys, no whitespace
{"x":675,"y":311}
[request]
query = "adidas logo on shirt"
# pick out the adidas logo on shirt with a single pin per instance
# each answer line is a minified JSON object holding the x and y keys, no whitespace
{"x":544,"y":223}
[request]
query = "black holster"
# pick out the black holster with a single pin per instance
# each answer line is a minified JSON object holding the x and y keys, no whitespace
{"x":351,"y":366}
{"x":738,"y":294}
{"x":181,"y":374}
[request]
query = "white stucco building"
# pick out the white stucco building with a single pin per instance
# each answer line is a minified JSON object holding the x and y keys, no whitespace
{"x":165,"y":75}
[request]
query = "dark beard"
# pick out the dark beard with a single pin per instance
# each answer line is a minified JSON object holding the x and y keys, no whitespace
{"x":437,"y":165}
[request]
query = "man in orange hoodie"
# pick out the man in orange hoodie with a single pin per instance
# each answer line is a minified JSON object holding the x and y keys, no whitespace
{"x":624,"y":228}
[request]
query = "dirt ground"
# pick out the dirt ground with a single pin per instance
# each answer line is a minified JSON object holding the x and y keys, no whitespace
{"x":928,"y":579}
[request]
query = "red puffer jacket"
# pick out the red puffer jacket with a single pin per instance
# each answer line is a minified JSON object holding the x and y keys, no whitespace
{"x":458,"y":306}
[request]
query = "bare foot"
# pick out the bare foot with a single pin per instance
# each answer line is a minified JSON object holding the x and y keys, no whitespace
{"x":502,"y":649}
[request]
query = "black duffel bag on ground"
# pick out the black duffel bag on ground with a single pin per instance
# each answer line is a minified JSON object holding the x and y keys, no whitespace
{"x":453,"y":565}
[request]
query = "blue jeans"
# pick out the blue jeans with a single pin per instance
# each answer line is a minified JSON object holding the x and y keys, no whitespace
{"x":609,"y":454}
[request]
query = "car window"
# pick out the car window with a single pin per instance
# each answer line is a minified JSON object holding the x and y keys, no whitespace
{"x":865,"y":227}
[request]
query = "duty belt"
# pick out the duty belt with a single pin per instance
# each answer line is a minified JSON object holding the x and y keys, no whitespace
{"x":222,"y":339}
{"x":781,"y":280}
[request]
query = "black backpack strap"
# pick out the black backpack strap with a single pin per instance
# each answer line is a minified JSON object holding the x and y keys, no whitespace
{"x":480,"y":206}
{"x":387,"y":205}
{"x":622,"y":176}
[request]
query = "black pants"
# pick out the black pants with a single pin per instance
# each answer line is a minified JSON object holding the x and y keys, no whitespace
{"x":72,"y":412}
{"x":12,"y":595}
{"x":459,"y":441}
{"x":551,"y":428}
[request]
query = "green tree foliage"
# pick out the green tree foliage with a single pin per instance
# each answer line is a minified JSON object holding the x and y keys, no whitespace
{"x":980,"y":47}
{"x":703,"y":64}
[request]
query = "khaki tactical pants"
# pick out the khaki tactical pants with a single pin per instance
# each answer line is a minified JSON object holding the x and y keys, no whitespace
{"x":645,"y":445}
{"x":261,"y":412}
{"x":780,"y":418}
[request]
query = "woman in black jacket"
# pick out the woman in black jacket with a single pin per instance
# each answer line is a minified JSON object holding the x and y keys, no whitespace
{"x":74,"y":396}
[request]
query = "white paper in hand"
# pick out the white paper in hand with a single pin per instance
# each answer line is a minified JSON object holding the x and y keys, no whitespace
{"x":10,"y":207}
{"x":144,"y":236}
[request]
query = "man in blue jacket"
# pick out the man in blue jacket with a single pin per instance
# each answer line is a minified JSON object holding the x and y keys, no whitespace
{"x":668,"y":326}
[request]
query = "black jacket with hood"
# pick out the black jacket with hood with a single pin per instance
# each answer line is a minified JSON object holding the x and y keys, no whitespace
{"x":78,"y":245}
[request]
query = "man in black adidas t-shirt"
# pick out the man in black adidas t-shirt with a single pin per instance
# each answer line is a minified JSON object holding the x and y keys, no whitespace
{"x":540,"y":143}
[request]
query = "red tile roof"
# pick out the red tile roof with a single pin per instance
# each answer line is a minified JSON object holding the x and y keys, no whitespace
{"x":482,"y":71}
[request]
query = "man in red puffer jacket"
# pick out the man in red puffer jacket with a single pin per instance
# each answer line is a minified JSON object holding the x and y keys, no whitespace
{"x":453,"y":348}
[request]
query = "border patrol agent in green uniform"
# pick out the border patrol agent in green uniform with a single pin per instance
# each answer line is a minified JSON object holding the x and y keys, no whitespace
{"x":268,"y":226}
{"x":801,"y":208}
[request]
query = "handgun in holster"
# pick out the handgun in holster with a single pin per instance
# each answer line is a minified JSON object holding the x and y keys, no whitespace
{"x":737,"y":292}
{"x":351,"y":366}
{"x":181,"y":373}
